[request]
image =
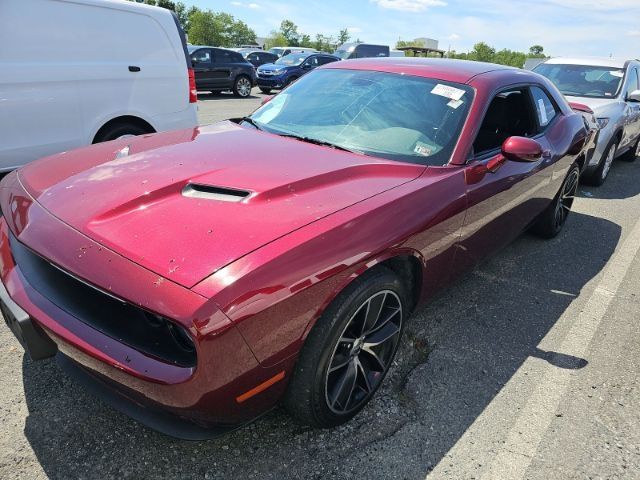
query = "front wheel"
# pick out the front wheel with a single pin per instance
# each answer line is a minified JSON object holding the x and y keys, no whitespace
{"x":349,"y":351}
{"x":550,"y":223}
{"x":242,"y":87}
{"x":266,"y":91}
{"x":600,"y":174}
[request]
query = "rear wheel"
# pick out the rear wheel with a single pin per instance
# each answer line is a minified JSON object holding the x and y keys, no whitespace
{"x":550,"y":223}
{"x":242,"y":87}
{"x":120,"y":130}
{"x":600,"y":174}
{"x":349,"y":351}
{"x":633,"y":153}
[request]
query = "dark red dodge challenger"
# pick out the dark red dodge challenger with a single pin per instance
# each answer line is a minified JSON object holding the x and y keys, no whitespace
{"x":197,"y":278}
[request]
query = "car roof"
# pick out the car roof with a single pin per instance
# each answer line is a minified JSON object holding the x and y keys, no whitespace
{"x":591,"y":61}
{"x":193,"y":48}
{"x":459,"y":71}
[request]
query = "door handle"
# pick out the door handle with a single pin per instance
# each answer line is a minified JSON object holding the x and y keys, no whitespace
{"x":134,"y":68}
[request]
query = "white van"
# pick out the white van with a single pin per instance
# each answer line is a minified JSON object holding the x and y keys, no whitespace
{"x":76,"y":72}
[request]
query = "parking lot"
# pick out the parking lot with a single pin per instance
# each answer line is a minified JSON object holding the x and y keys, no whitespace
{"x":529,"y":367}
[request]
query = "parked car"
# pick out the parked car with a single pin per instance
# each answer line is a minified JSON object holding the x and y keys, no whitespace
{"x":290,"y":68}
{"x":258,"y":58}
{"x":611,"y":88}
{"x":284,"y":51}
{"x":220,"y":69}
{"x":88,"y":72}
{"x":362,"y":50}
{"x":278,"y":257}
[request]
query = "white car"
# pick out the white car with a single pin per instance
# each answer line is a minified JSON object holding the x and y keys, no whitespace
{"x":76,"y":72}
{"x":611,"y":88}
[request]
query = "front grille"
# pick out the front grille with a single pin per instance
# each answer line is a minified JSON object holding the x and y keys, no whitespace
{"x":142,"y":330}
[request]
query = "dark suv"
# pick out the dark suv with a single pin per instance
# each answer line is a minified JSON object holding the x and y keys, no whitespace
{"x":219,"y":69}
{"x":289,"y":68}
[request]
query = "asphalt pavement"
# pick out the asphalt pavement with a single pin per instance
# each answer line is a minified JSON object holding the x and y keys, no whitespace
{"x":527,"y":368}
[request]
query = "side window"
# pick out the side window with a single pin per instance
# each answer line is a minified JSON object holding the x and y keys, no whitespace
{"x":509,"y":114}
{"x":545,"y":108}
{"x":253,"y":57}
{"x":312,"y":62}
{"x":201,"y":56}
{"x":325,"y":60}
{"x":632,"y":84}
{"x":223,"y":56}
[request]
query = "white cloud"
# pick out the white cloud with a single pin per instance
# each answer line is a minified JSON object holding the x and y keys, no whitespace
{"x":253,"y":6}
{"x":409,"y":5}
{"x":634,"y":33}
{"x":453,"y":36}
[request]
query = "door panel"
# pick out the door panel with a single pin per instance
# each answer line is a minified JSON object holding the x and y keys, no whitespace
{"x":202,"y":61}
{"x":222,"y":66}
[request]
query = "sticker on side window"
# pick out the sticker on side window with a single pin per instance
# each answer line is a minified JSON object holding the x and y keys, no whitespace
{"x":543,"y":112}
{"x":452,"y":93}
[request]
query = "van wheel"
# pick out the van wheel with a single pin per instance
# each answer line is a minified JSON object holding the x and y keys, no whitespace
{"x":120,"y":130}
{"x":242,"y":87}
{"x":348,"y":351}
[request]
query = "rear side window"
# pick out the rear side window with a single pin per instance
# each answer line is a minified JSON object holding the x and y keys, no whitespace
{"x":545,"y":108}
{"x":325,"y":60}
{"x":224,"y":56}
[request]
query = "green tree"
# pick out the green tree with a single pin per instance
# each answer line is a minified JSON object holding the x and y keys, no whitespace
{"x":289,"y":31}
{"x":343,"y":36}
{"x":275,"y":39}
{"x":203,"y":29}
{"x":305,"y":41}
{"x":482,"y":53}
{"x":536,"y":51}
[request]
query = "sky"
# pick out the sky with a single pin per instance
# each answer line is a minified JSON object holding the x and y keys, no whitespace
{"x":562,"y":27}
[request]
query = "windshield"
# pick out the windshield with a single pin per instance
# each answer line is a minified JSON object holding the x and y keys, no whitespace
{"x":583,"y":80}
{"x":398,"y":117}
{"x":343,"y":54}
{"x":276,"y":50}
{"x":292,"y":59}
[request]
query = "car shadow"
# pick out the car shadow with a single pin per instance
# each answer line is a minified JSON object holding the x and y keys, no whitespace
{"x":617,"y":186}
{"x":457,"y":353}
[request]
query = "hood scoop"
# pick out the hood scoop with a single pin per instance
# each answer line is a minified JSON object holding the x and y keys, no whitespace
{"x":210,"y":192}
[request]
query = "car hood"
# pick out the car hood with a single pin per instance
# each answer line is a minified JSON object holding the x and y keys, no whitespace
{"x":599,"y":106}
{"x":184,"y":204}
{"x":271,"y":67}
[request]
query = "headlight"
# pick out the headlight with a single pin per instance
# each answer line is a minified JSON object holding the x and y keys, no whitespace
{"x":602,"y":122}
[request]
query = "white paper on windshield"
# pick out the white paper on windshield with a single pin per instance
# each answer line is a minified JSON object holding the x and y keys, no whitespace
{"x":543,"y":112}
{"x":455,"y":103}
{"x":616,"y":73}
{"x":452,"y":93}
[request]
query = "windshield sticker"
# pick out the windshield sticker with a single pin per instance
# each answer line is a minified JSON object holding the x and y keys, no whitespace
{"x":616,"y":73}
{"x":423,"y":149}
{"x":455,"y":103}
{"x":446,"y":91}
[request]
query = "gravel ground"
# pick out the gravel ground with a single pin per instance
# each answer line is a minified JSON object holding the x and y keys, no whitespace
{"x":528,"y":367}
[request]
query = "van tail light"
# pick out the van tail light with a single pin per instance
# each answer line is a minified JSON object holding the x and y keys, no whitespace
{"x":193,"y":92}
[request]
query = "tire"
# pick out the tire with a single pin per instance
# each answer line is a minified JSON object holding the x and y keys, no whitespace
{"x":290,"y":81}
{"x":266,"y":91}
{"x":242,"y":86}
{"x":551,"y":221}
{"x":599,"y":175}
{"x":633,"y":153}
{"x":319,"y":397}
{"x":120,"y":130}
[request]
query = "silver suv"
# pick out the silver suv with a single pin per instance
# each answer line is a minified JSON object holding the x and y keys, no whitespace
{"x":611,"y":88}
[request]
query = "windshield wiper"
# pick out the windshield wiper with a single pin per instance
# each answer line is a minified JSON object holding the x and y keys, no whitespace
{"x":250,"y":121}
{"x":315,"y":141}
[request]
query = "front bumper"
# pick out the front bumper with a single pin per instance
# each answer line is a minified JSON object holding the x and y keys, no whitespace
{"x":204,"y":396}
{"x":271,"y":81}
